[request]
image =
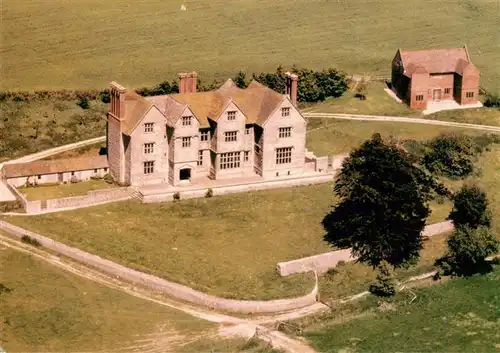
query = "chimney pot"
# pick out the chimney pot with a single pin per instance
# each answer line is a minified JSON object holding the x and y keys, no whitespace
{"x":117,"y":100}
{"x":182,"y":82}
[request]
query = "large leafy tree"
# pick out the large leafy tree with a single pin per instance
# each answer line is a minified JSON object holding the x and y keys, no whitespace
{"x":383,"y":204}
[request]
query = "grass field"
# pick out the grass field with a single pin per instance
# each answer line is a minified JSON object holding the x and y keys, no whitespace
{"x":482,"y":116}
{"x":377,"y":102}
{"x":335,"y":136}
{"x":232,"y":238}
{"x":87,"y":43}
{"x":46,"y":309}
{"x":461,"y":315}
{"x":45,"y":192}
{"x":50,"y":310}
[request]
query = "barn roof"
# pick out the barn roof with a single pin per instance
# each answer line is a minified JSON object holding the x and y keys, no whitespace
{"x":435,"y":60}
{"x":54,"y":166}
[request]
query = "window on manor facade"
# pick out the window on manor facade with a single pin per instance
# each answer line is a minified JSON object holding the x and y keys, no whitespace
{"x":230,"y":160}
{"x":447,"y":90}
{"x":149,"y":127}
{"x":230,"y":136}
{"x":204,"y":136}
{"x":231,"y":115}
{"x":284,"y":132}
{"x":186,"y":142}
{"x":285,"y":111}
{"x":419,"y":97}
{"x":469,"y":94}
{"x":246,"y":154}
{"x":149,"y":167}
{"x":200,"y":157}
{"x":284,"y":155}
{"x":186,"y":120}
{"x":247,"y":131}
{"x":149,"y":147}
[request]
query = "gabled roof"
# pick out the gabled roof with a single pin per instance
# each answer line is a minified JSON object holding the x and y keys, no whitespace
{"x":434,"y":60}
{"x":257,"y":102}
{"x":136,"y":107}
{"x":54,"y":166}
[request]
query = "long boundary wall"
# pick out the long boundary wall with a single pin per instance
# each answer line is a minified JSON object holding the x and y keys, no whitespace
{"x":232,"y":189}
{"x":92,"y":197}
{"x":322,"y":262}
{"x":175,"y":290}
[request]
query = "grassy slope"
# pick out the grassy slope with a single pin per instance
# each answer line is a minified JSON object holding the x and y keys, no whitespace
{"x":57,"y":123}
{"x":51,"y":310}
{"x":45,"y":192}
{"x":461,"y":315}
{"x":145,"y":42}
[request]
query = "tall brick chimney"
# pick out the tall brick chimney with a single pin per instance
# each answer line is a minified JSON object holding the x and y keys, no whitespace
{"x":114,"y":130}
{"x":291,"y":87}
{"x":183,"y":78}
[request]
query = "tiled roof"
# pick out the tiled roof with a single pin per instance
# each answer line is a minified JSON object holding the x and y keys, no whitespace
{"x":434,"y":60}
{"x":136,"y":107}
{"x":54,"y":166}
{"x":256,"y":102}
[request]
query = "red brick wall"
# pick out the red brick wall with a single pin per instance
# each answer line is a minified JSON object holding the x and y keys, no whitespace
{"x":470,"y":83}
{"x":419,"y":87}
{"x":442,"y":82}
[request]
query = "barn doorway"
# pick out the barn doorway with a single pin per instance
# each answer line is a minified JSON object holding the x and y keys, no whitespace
{"x":185,"y":174}
{"x":436,"y":95}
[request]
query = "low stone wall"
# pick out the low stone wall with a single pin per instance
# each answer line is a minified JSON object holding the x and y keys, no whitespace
{"x":231,"y":189}
{"x":29,"y":206}
{"x":158,"y":284}
{"x":322,"y":262}
{"x":92,"y":197}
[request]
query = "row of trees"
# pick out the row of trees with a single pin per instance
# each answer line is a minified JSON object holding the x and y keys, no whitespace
{"x":384,"y":196}
{"x":313,"y":85}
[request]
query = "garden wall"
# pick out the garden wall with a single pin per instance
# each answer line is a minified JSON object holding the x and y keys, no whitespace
{"x":322,"y":262}
{"x":231,"y":189}
{"x":92,"y":197}
{"x":158,"y":284}
{"x":29,"y":206}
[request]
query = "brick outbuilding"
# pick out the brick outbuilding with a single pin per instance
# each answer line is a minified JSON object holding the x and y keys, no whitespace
{"x":423,"y":76}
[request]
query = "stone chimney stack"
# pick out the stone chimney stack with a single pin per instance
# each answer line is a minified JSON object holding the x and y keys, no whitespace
{"x":117,"y":100}
{"x":183,"y":84}
{"x":291,"y":87}
{"x":194,"y":81}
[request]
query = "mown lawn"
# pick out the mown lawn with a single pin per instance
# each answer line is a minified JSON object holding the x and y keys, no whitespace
{"x":460,"y":315}
{"x":144,"y":42}
{"x":45,"y":192}
{"x":377,"y":102}
{"x":50,"y":310}
{"x":337,"y":136}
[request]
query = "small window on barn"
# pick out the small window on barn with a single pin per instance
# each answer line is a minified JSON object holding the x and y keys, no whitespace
{"x":419,"y":97}
{"x":72,"y":173}
{"x":105,"y":170}
{"x":469,"y":94}
{"x":39,"y":177}
{"x":95,"y":170}
{"x":447,"y":90}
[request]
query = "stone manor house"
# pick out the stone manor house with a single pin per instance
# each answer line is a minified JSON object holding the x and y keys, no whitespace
{"x":192,"y":136}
